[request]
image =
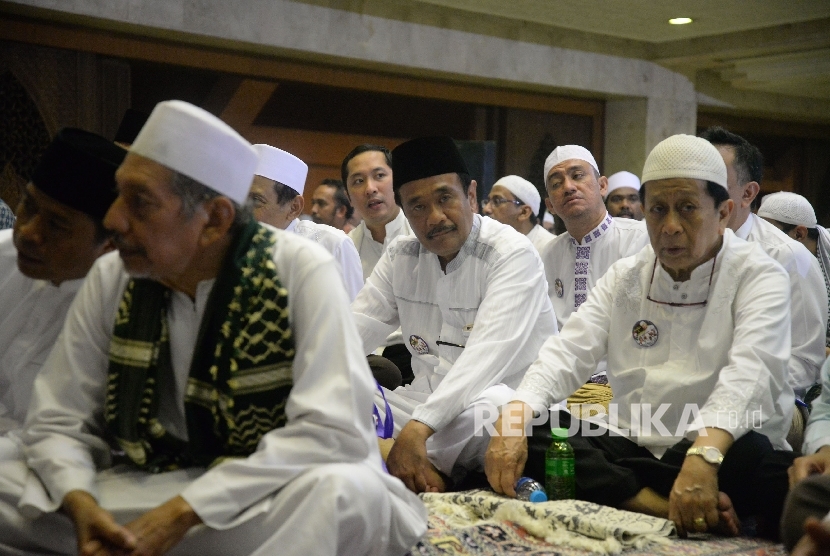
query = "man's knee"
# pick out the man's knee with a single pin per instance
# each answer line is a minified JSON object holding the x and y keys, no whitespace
{"x":809,"y":498}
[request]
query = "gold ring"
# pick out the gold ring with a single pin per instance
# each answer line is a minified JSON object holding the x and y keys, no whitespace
{"x":700,"y":522}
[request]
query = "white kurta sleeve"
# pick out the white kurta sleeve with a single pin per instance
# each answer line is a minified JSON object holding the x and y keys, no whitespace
{"x":63,"y":432}
{"x":329,"y":411}
{"x":375,"y":309}
{"x":568,"y":360}
{"x":809,"y":323}
{"x":818,"y":427}
{"x":515,"y":296}
{"x":758,"y":356}
{"x":350,"y":269}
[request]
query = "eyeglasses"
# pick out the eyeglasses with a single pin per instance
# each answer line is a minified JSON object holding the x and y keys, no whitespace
{"x":496,"y":201}
{"x":672,"y":304}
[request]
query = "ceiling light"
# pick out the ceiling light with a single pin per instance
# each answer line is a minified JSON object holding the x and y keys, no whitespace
{"x":680,"y":20}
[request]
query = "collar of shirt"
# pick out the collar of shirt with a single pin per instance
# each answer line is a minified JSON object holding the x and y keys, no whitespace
{"x":746,"y":228}
{"x":597,"y":232}
{"x":293,"y":225}
{"x":468,"y":246}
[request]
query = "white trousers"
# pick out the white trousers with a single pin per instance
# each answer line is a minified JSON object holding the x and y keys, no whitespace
{"x":330,"y":509}
{"x":463,"y":442}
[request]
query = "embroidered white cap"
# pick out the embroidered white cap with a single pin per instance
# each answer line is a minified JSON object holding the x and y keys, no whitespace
{"x":568,"y":152}
{"x":622,"y":179}
{"x":280,"y":166}
{"x":195,"y":143}
{"x":789,"y":208}
{"x":523,"y":190}
{"x":685,"y":156}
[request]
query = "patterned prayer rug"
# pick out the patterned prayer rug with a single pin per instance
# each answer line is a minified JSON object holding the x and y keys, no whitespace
{"x":478,"y":523}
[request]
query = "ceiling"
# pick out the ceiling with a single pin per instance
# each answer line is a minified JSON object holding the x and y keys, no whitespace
{"x":771,"y":46}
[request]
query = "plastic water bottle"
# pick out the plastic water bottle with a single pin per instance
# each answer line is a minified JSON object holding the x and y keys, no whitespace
{"x":560,"y":483}
{"x":530,"y":490}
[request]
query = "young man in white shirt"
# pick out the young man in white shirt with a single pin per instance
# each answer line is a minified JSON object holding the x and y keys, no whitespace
{"x":514,"y":201}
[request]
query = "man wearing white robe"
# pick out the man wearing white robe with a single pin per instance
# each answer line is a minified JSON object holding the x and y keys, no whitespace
{"x":696,"y":335}
{"x":576,"y":260}
{"x":809,"y":294}
{"x":469,"y":296}
{"x":794,"y":215}
{"x":277,"y":194}
{"x":312,"y":486}
{"x":515,"y":201}
{"x":56,"y":238}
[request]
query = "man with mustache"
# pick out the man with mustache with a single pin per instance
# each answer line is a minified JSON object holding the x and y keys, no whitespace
{"x":215,"y":362}
{"x":455,"y":289}
{"x":695,"y":329}
{"x":57,"y":237}
{"x":330,"y":205}
{"x":622,"y":198}
{"x":594,"y":240}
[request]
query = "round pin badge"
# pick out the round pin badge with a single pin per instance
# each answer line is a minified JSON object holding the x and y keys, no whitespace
{"x":645,"y":333}
{"x":418,"y":344}
{"x":560,"y":289}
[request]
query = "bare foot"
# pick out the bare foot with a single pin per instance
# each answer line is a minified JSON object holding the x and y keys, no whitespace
{"x":385,"y":445}
{"x":436,"y":481}
{"x":729,"y":524}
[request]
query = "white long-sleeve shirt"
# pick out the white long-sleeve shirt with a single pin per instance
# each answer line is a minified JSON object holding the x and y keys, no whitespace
{"x":492,"y":300}
{"x":622,"y":237}
{"x":539,"y":237}
{"x":31,"y":316}
{"x":370,"y":250}
{"x":329,"y":410}
{"x":809,"y":299}
{"x":341,"y":248}
{"x":727,"y":359}
{"x":817,"y":433}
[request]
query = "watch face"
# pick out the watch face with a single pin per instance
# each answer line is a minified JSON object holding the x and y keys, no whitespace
{"x":712,"y":455}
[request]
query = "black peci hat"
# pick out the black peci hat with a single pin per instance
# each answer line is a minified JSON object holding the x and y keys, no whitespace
{"x":78,"y":170}
{"x":425,"y":157}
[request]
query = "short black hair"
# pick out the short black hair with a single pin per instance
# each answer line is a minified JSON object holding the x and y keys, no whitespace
{"x":341,"y":198}
{"x":465,"y":180}
{"x":812,"y":233}
{"x":749,"y":162}
{"x":360,"y":149}
{"x":716,"y":191}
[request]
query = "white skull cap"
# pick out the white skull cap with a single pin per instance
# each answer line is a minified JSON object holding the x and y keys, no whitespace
{"x":278,"y":165}
{"x":523,"y":190}
{"x":789,"y":208}
{"x":685,"y":156}
{"x":568,"y":152}
{"x":622,"y":179}
{"x":195,"y":143}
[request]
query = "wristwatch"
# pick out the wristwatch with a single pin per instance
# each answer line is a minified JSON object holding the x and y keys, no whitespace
{"x":709,"y":453}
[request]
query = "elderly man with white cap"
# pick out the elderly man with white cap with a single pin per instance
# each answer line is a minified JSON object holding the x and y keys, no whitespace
{"x":277,"y":195}
{"x":695,"y":329}
{"x":623,"y":196}
{"x":744,"y":164}
{"x":469,"y":296}
{"x":515,"y":201}
{"x":207,"y":394}
{"x":794,"y":215}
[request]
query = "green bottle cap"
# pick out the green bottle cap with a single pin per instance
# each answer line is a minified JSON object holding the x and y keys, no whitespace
{"x":559,"y":433}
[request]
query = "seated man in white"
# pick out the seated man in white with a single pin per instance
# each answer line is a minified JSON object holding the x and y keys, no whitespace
{"x":514,"y":201}
{"x":695,"y":329}
{"x":217,"y":361}
{"x":808,"y":314}
{"x":622,"y":199}
{"x":469,"y":295}
{"x":277,"y":195}
{"x":57,"y":237}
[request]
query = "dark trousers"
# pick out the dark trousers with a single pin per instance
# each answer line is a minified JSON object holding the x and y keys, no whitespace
{"x":611,"y":469}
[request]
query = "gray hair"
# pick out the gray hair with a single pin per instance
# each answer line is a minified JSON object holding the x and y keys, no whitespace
{"x":193,"y":193}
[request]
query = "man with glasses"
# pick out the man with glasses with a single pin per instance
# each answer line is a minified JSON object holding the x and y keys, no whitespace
{"x":695,"y":329}
{"x":516,"y":202}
